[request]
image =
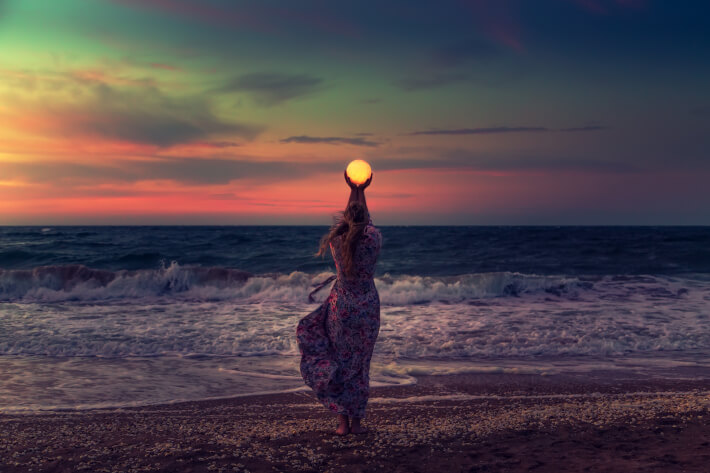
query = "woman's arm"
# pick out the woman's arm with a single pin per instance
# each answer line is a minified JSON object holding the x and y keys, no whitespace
{"x":353,"y":190}
{"x":358,"y":192}
{"x":361,"y":194}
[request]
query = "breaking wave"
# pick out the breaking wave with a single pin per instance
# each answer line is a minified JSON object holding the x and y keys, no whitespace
{"x":80,"y":283}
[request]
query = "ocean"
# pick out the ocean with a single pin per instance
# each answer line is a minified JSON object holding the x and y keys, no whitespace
{"x":121,"y":316}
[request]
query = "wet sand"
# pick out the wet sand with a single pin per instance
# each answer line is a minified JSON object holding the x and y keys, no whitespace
{"x":606,"y":422}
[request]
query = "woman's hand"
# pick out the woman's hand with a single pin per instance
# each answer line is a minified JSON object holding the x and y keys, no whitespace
{"x":354,"y":186}
{"x":367,"y":182}
{"x":357,"y":193}
{"x":347,"y":179}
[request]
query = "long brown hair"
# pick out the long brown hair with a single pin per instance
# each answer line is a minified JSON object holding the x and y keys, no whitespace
{"x":350,"y":222}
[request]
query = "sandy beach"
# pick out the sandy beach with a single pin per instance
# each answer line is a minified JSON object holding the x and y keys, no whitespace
{"x":598,"y":421}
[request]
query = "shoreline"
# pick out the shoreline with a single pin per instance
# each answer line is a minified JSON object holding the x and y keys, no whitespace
{"x":401,"y":376}
{"x":477,"y":422}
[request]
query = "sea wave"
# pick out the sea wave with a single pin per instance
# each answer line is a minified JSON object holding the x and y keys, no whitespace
{"x":467,"y":317}
{"x":185,"y":282}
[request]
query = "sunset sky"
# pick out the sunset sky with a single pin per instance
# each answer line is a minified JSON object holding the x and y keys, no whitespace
{"x":246,"y":112}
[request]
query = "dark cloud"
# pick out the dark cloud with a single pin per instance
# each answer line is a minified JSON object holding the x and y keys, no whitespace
{"x":332,"y":140}
{"x":219,"y":171}
{"x":212,"y":171}
{"x":585,"y":128}
{"x":466,"y":159}
{"x":222,"y":144}
{"x":64,"y":172}
{"x":483,"y":131}
{"x":390,"y":195}
{"x":150,"y":117}
{"x":186,"y":170}
{"x":273,"y":88}
{"x":138,"y":112}
{"x":505,"y":129}
{"x":410,"y":84}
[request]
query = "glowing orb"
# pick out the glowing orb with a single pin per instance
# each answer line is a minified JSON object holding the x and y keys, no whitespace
{"x":358,"y":171}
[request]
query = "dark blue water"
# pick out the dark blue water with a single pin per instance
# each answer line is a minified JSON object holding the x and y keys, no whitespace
{"x":425,"y":251}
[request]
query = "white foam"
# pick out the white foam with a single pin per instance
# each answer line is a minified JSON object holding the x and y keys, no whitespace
{"x":642,"y":324}
{"x":413,"y":369}
{"x":178,"y":283}
{"x":41,"y":384}
{"x":612,"y":319}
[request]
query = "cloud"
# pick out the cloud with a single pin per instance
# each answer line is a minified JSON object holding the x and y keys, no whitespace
{"x":150,"y":117}
{"x":137,"y":112}
{"x":390,"y":195}
{"x":272,"y":88}
{"x":186,"y":170}
{"x":410,"y":84}
{"x":218,"y":171}
{"x":332,"y":140}
{"x":221,"y":144}
{"x":212,"y":171}
{"x":62,"y":172}
{"x":437,"y":158}
{"x":370,"y":101}
{"x":585,"y":128}
{"x":483,"y":131}
{"x":506,"y":129}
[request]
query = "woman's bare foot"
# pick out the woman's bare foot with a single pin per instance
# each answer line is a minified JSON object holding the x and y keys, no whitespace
{"x":357,"y":428}
{"x":342,"y":430}
{"x":343,"y":427}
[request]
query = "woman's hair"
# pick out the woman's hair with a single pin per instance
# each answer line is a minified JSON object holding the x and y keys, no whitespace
{"x":350,"y":222}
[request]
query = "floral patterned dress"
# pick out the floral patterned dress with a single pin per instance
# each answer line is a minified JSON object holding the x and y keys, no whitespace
{"x":337,"y":339}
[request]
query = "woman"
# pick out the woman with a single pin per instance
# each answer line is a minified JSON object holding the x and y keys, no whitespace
{"x":336,"y":340}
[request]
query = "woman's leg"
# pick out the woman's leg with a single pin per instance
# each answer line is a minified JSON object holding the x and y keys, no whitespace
{"x":343,"y":428}
{"x":356,"y":428}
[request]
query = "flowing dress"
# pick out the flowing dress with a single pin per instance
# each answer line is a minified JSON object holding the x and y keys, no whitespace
{"x":337,"y":339}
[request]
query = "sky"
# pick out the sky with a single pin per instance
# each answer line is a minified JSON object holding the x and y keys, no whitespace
{"x":471,"y":112}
